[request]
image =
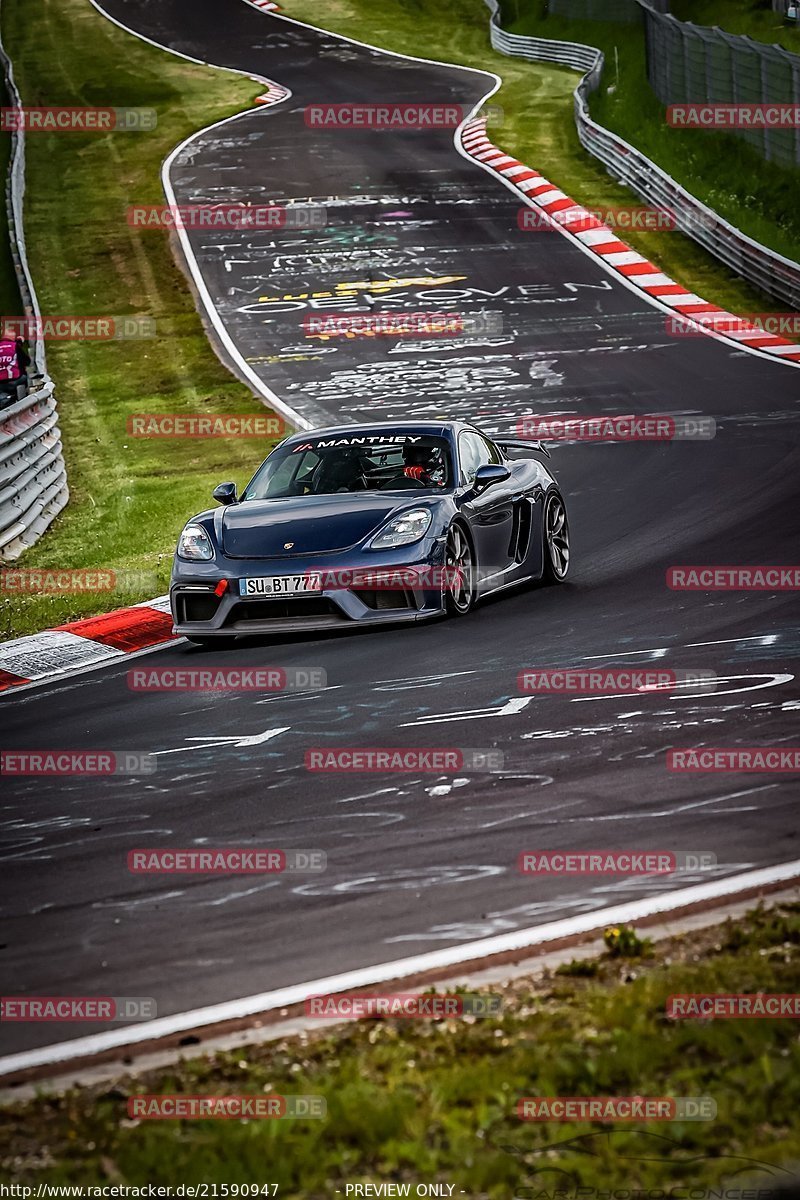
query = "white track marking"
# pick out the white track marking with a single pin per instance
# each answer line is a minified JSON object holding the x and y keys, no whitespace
{"x":772,"y":680}
{"x":211,"y":741}
{"x":658,"y":652}
{"x":261,"y":388}
{"x":669,"y":813}
{"x":766,"y":639}
{"x":509,"y":709}
{"x":256,"y":381}
{"x":434,"y":960}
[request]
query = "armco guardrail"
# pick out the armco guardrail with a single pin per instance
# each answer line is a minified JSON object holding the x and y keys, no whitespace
{"x":764,"y":268}
{"x":33,"y":479}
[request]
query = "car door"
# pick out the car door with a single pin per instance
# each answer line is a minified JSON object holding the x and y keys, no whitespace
{"x":490,"y":512}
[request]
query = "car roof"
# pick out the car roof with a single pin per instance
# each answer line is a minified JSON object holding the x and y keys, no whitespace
{"x":442,"y":428}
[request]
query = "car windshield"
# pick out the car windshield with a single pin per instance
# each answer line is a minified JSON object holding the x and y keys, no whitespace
{"x":354,"y":463}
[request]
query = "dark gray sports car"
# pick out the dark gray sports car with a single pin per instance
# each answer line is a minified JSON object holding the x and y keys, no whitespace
{"x":370,"y":524}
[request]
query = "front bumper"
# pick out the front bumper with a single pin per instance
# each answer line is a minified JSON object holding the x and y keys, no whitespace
{"x":198,"y":611}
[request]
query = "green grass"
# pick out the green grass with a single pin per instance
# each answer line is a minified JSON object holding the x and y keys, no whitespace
{"x":752,"y":17}
{"x":758,"y":197}
{"x":129,"y":497}
{"x":434,"y":1100}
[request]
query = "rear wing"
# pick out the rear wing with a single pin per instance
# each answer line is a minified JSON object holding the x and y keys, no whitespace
{"x":511,"y":444}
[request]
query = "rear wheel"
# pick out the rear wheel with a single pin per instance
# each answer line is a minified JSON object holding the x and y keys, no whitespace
{"x":459,"y":584}
{"x":556,"y":540}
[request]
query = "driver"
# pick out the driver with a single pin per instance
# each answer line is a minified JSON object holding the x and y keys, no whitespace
{"x":423,"y":463}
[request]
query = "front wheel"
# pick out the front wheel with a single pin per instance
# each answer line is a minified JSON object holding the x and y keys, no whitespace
{"x":556,"y":540}
{"x":459,"y":585}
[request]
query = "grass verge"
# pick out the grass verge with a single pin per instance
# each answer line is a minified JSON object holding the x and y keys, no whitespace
{"x":758,"y":197}
{"x":129,"y":496}
{"x":434,"y":1100}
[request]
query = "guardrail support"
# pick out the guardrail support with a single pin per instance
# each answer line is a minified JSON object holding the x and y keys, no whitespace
{"x":33,"y":478}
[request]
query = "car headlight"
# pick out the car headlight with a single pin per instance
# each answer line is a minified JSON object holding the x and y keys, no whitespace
{"x":403,"y":529}
{"x":194,"y":543}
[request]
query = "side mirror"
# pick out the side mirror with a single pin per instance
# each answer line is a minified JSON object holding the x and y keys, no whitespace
{"x":489,"y":473}
{"x":225,"y":493}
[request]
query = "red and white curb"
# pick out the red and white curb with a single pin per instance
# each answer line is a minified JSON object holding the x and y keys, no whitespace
{"x":274,"y":94}
{"x":91,"y":642}
{"x":578,"y":223}
{"x":265,"y":5}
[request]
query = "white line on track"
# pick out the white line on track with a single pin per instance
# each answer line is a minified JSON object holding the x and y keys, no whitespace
{"x":255,"y":380}
{"x":419,"y":964}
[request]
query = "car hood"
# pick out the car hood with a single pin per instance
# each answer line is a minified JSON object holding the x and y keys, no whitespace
{"x":312,"y":524}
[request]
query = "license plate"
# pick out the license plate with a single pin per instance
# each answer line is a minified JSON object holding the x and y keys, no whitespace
{"x":280,"y":585}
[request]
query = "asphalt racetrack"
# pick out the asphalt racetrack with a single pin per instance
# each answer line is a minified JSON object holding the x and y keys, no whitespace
{"x":419,"y":861}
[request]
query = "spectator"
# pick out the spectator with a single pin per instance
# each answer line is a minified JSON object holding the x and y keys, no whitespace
{"x":14,"y":363}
